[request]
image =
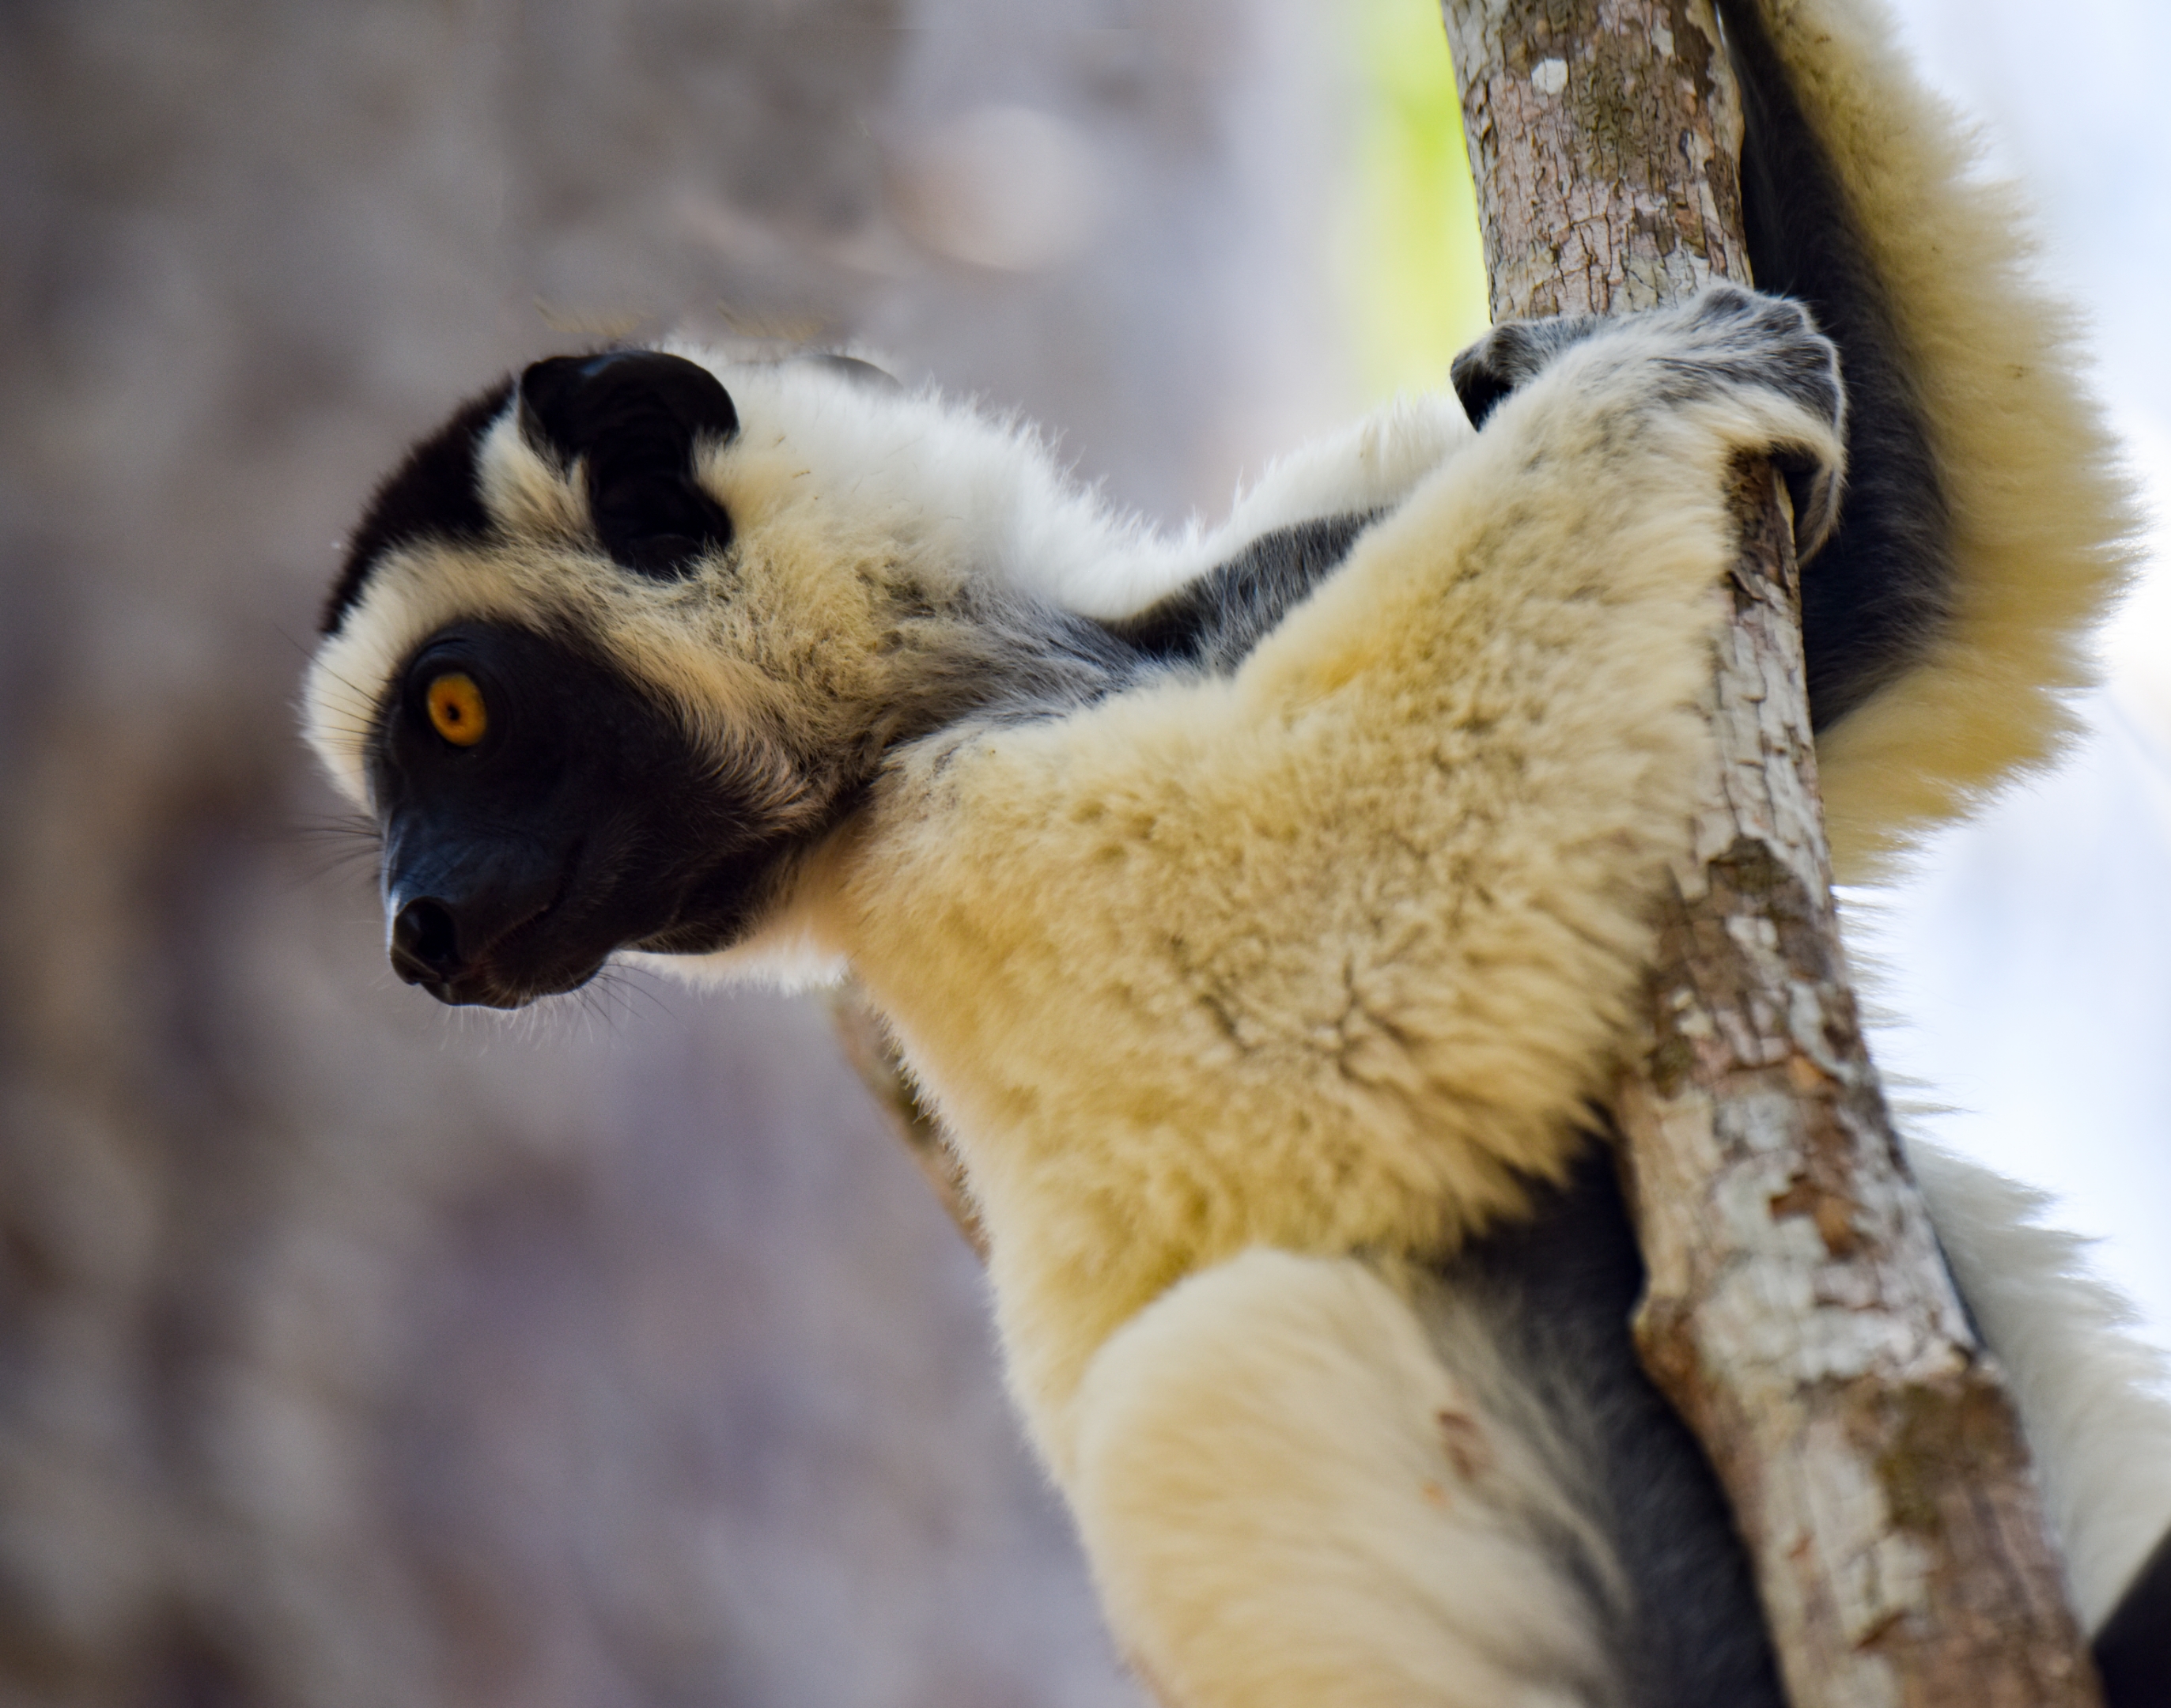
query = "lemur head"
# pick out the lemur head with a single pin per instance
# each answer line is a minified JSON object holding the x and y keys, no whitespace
{"x":618,"y":644}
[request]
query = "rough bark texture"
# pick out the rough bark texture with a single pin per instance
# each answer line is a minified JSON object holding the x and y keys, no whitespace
{"x":1798,"y":1310}
{"x":1606,"y":141}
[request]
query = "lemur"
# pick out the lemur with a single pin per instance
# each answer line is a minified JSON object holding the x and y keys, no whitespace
{"x":1262,"y":908}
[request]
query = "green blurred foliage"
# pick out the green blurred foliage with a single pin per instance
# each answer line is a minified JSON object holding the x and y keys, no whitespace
{"x":1411,"y":272}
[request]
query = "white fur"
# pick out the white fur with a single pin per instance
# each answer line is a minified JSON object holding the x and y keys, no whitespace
{"x":1298,"y":1040}
{"x":2091,"y":1397}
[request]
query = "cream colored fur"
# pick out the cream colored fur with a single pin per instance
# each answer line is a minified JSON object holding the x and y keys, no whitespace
{"x":1236,"y":992}
{"x":1296,"y":1042}
{"x":1288,"y":1500}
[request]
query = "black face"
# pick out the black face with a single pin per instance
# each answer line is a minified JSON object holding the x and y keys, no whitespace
{"x":540,"y":810}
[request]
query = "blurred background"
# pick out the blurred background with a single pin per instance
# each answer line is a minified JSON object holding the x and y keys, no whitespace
{"x":353,"y":1352}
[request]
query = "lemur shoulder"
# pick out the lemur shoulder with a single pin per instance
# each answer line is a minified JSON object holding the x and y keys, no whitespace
{"x":1262,"y":908}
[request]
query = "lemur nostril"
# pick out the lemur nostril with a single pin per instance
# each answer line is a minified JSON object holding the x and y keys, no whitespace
{"x":425,"y":941}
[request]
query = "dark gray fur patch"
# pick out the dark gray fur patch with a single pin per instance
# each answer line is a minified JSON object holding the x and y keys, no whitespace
{"x":1031,"y":660}
{"x":1555,"y":1294}
{"x":1214,"y":623}
{"x":1510,"y":355}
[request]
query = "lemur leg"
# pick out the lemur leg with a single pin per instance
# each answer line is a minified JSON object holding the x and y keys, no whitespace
{"x":1289,"y":1499}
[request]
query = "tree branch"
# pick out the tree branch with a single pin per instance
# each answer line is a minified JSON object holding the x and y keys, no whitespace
{"x":873,"y":1056}
{"x":1798,"y":1310}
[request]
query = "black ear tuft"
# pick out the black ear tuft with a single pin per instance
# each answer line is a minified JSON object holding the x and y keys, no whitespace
{"x":570,"y":404}
{"x":632,"y":419}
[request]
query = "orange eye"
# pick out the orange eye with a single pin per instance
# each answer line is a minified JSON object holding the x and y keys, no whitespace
{"x":456,"y":709}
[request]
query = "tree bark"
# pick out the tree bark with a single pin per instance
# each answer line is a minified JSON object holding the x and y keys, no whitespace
{"x":1798,"y":1310}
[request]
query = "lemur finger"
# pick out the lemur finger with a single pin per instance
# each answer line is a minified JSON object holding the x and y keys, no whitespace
{"x":1509,"y":354}
{"x":1813,"y":485}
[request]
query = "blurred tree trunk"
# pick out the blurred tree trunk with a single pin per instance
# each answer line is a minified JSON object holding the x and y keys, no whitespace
{"x":1869,"y":1428}
{"x":353,"y":1354}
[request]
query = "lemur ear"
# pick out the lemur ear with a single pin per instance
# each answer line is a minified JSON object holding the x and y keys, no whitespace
{"x":631,"y":419}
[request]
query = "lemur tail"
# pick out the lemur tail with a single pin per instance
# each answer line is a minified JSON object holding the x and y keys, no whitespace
{"x":1987,"y":524}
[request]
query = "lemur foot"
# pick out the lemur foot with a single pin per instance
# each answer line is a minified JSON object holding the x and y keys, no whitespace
{"x":1724,"y":337}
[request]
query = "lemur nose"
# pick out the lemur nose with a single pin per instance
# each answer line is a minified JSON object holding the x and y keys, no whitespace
{"x":426,"y":942}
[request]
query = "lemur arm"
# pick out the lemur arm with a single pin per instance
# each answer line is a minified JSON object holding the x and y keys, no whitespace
{"x":1389,"y":874}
